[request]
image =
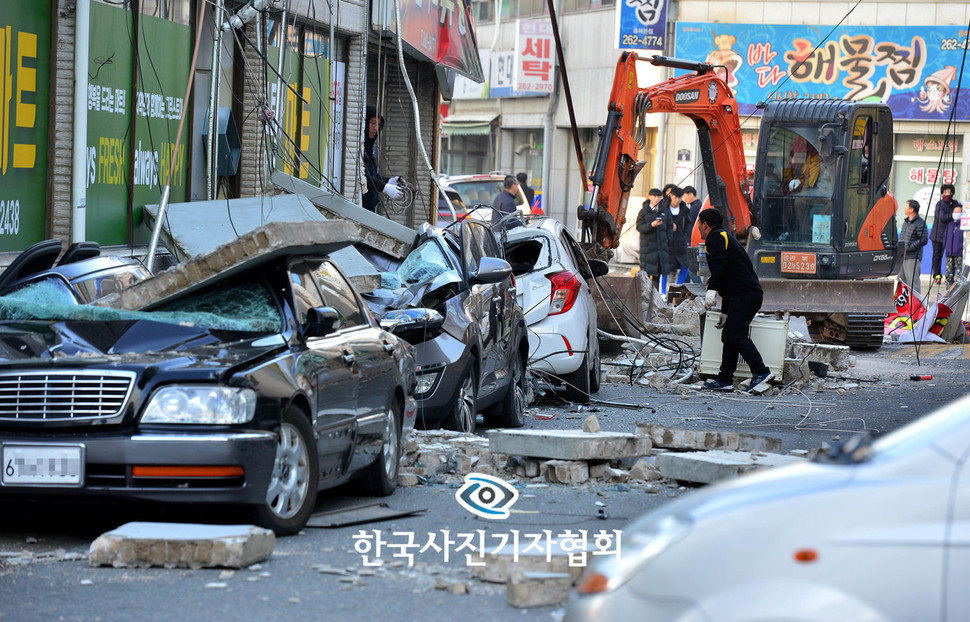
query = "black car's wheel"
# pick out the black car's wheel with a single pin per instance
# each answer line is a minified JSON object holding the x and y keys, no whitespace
{"x":577,"y":383}
{"x":292,"y":490}
{"x":512,"y":411}
{"x":595,"y":373}
{"x":464,"y":411}
{"x":380,"y":478}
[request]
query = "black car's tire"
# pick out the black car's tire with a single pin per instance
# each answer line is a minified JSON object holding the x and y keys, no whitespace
{"x":577,"y":383}
{"x":380,"y":478}
{"x":595,"y":373}
{"x":292,"y":490}
{"x":512,"y":413}
{"x":464,"y":411}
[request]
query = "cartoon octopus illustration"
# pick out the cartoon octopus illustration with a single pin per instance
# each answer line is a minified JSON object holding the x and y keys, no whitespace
{"x":934,"y":95}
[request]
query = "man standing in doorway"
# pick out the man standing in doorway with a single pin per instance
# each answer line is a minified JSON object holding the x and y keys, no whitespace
{"x":734,"y":278}
{"x":377,"y":184}
{"x":912,"y":239}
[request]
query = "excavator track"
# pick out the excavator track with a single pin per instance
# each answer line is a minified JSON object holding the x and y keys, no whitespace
{"x":864,"y":332}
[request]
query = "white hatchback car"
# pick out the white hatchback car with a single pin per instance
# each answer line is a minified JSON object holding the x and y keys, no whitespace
{"x":877,"y":532}
{"x":551,"y":275}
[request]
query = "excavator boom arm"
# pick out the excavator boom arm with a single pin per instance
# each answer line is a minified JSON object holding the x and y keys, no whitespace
{"x":701,"y":96}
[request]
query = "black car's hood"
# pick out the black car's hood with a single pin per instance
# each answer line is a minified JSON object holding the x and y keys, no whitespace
{"x":129,"y":340}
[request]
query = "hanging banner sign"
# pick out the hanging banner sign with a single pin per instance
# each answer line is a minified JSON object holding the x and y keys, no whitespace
{"x":534,"y":57}
{"x":641,"y":24}
{"x":441,"y":31}
{"x":914,"y":69}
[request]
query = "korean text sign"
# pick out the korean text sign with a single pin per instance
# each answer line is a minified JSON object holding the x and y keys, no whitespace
{"x":534,"y":56}
{"x":641,"y":24}
{"x":914,"y":69}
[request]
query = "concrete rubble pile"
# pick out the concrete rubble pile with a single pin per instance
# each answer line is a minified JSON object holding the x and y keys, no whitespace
{"x":654,"y":455}
{"x":582,"y":457}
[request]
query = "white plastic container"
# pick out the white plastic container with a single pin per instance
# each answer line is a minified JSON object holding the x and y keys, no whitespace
{"x":770,"y":335}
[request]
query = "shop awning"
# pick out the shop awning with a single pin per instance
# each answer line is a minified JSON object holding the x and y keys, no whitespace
{"x":468,"y":124}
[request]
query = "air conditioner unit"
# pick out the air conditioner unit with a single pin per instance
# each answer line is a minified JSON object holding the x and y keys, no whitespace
{"x":769,"y":335}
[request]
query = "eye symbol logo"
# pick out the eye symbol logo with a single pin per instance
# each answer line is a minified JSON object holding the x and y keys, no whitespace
{"x":486,"y":496}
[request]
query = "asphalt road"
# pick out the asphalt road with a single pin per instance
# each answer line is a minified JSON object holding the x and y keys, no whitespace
{"x":43,"y":575}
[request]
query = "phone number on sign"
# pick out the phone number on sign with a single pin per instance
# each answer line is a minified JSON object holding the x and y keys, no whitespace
{"x":651,"y":41}
{"x":370,"y":545}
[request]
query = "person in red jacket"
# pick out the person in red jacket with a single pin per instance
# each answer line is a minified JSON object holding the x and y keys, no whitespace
{"x":734,"y":278}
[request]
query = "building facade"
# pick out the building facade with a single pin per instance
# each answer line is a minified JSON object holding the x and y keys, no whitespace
{"x":105,"y":104}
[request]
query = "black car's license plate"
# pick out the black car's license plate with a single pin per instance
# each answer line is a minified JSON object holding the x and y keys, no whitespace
{"x":42,"y":465}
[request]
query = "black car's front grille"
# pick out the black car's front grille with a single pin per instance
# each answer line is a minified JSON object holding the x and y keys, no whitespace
{"x":63,"y":396}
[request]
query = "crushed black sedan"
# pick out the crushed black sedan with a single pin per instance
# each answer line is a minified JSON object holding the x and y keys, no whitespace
{"x":470,"y":339}
{"x":257,"y":386}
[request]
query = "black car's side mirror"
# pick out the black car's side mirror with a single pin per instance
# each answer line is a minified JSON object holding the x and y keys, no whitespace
{"x":413,"y":325}
{"x":490,"y":270}
{"x":598,"y":267}
{"x":321,"y":321}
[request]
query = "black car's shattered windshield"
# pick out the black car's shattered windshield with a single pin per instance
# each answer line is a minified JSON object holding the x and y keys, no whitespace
{"x":247,"y":307}
{"x":422,"y":264}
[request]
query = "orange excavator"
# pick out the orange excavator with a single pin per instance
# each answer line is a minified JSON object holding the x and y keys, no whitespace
{"x":817,"y":219}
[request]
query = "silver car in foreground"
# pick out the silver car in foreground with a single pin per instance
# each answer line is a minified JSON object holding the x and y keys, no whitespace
{"x":874,"y":532}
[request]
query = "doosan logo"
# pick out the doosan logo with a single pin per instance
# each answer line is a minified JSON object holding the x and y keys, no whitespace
{"x":687,"y":97}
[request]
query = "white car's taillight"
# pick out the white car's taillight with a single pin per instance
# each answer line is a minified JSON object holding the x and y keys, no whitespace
{"x":565,"y":290}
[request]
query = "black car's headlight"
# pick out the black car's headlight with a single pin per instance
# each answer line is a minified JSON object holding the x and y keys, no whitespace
{"x":200,"y":404}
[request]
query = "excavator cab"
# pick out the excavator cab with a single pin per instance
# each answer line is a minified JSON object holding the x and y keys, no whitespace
{"x":820,"y":191}
{"x":828,"y":222}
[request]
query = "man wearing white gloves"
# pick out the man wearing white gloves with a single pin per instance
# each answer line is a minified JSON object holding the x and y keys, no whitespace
{"x":376,"y":183}
{"x":734,"y":278}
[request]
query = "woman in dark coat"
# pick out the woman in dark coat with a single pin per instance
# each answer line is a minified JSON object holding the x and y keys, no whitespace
{"x":653,"y":224}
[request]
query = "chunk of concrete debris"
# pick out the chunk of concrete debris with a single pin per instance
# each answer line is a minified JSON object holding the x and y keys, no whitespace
{"x":705,"y":467}
{"x":454,"y":586}
{"x":616,"y":475}
{"x":568,"y":444}
{"x":182,"y":545}
{"x":591,"y":424}
{"x":535,"y":589}
{"x":643,"y":471}
{"x":406,"y":480}
{"x":565,"y":471}
{"x":497,"y":565}
{"x":836,"y":357}
{"x":689,"y":438}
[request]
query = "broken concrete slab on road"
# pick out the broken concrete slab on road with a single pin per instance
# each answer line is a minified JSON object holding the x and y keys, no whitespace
{"x":568,"y":444}
{"x":706,"y":467}
{"x":692,"y":439}
{"x":182,"y":545}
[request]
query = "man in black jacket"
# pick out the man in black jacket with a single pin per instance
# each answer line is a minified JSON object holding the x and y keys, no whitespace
{"x":377,"y":184}
{"x":734,"y":278}
{"x":912,"y":239}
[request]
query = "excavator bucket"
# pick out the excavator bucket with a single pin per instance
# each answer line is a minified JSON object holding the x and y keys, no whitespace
{"x":812,"y":296}
{"x":621,"y":288}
